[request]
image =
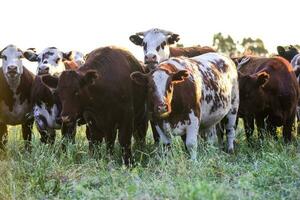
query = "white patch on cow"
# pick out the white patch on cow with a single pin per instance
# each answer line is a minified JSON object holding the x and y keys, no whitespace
{"x":295,"y":62}
{"x":154,"y":38}
{"x":50,"y":117}
{"x":160,"y":80}
{"x":77,"y":57}
{"x":18,"y":113}
{"x":52,"y":59}
{"x":11,"y":58}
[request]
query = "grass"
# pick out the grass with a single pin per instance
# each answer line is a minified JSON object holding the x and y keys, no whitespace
{"x":267,"y":171}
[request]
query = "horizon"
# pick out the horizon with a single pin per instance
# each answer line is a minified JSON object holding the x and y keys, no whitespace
{"x":87,"y":25}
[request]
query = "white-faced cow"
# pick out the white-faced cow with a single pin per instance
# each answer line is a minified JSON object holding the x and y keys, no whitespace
{"x":15,"y":89}
{"x":156,"y":44}
{"x":46,"y":105}
{"x":192,"y":95}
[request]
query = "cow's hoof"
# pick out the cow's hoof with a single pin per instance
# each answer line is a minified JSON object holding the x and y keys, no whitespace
{"x":230,"y":151}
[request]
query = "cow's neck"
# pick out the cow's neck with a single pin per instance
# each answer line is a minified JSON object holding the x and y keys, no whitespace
{"x":13,"y":83}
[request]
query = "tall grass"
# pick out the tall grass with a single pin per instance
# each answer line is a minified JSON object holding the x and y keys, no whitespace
{"x":270,"y":170}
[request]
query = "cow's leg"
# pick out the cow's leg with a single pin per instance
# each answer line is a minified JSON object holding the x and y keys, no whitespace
{"x":27,"y":132}
{"x":164,"y":139}
{"x":260,"y":123}
{"x":155,"y":133}
{"x":249,"y":127}
{"x":140,"y":131}
{"x":220,"y":127}
{"x":230,"y":130}
{"x":287,"y":129}
{"x":271,"y":129}
{"x":3,"y":135}
{"x":125,"y":134}
{"x":110,"y":138}
{"x":211,"y":135}
{"x":192,"y":132}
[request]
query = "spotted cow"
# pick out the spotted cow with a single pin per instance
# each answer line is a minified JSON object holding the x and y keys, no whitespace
{"x":156,"y":44}
{"x":15,"y":88}
{"x":46,"y":104}
{"x":192,"y":95}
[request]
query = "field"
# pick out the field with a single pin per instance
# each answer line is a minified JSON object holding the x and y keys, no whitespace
{"x":270,"y":170}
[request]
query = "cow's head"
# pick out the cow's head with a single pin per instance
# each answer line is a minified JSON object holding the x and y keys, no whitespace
{"x":160,"y":84}
{"x":252,"y":91}
{"x":12,"y":62}
{"x":155,"y":43}
{"x":77,"y":57}
{"x":287,"y":54}
{"x":71,"y":90}
{"x":50,"y":60}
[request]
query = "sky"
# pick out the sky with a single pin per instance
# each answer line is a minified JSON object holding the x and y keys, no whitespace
{"x":84,"y":25}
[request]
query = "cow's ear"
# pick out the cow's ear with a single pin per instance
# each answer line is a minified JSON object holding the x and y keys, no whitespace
{"x":262,"y":79}
{"x":137,"y":40}
{"x":281,"y":50}
{"x":31,"y":55}
{"x":50,"y":81}
{"x":173,"y":38}
{"x":89,"y":78}
{"x":67,"y":55}
{"x":139,"y":78}
{"x":180,"y":76}
{"x":297,"y":71}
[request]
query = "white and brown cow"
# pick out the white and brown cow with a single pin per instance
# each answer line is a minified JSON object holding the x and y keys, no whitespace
{"x":46,"y":105}
{"x":156,"y":44}
{"x":15,"y":89}
{"x":192,"y":95}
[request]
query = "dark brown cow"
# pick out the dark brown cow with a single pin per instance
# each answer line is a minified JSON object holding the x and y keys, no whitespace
{"x":268,"y":90}
{"x":15,"y":88}
{"x":102,"y":91}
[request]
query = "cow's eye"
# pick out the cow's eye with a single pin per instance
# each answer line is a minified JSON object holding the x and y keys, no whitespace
{"x":57,"y":60}
{"x":21,"y":56}
{"x":4,"y":57}
{"x":38,"y":59}
{"x":145,"y":46}
{"x":157,"y":48}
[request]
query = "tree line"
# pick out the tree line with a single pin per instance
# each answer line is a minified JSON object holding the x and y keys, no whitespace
{"x":247,"y":46}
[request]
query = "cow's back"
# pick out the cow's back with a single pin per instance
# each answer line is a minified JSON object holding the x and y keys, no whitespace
{"x":219,"y":87}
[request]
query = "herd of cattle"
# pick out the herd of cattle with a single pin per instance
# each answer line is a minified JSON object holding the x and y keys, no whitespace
{"x":191,"y":92}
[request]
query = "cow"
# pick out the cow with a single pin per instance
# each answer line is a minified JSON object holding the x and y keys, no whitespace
{"x":268,"y":92}
{"x":189,"y":95}
{"x":293,"y":56}
{"x":46,"y":105}
{"x":102,"y":92}
{"x":156,"y":44}
{"x":15,"y":86}
{"x":287,"y":54}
